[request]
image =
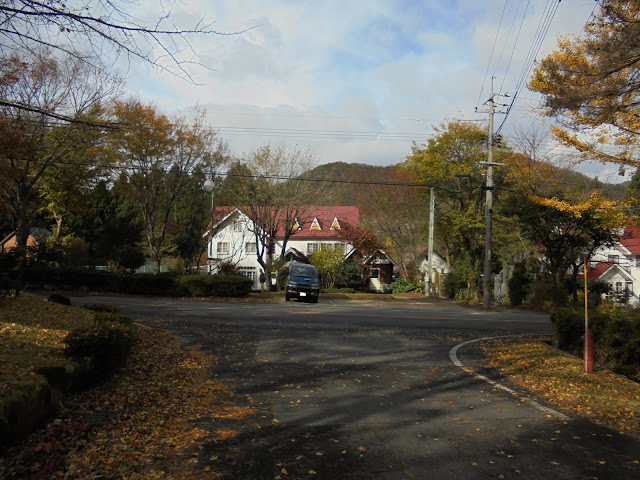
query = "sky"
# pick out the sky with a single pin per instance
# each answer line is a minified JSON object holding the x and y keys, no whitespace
{"x":357,"y":81}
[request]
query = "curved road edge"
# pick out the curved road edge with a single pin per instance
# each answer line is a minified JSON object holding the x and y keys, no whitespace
{"x":453,"y":356}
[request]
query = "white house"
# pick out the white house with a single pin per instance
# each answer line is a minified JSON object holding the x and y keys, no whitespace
{"x":234,"y":241}
{"x":619,"y":266}
{"x":439,"y":269}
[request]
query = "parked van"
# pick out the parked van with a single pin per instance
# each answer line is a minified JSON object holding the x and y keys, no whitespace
{"x":303,"y":283}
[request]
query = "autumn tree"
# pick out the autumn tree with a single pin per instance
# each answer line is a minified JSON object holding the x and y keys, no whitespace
{"x":159,"y":157}
{"x":451,"y":163}
{"x":364,"y":241}
{"x":329,"y":263}
{"x":399,"y":215}
{"x":591,"y":84}
{"x":566,"y":231}
{"x":34,"y":141}
{"x":275,"y":199}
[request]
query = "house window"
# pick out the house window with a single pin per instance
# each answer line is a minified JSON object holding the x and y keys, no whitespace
{"x":375,"y":273}
{"x":237,"y":226}
{"x":638,"y":261}
{"x":223,"y":248}
{"x":335,"y":225}
{"x":613,"y":259}
{"x":315,"y":225}
{"x":248,"y":272}
{"x":341,"y":246}
{"x":628,"y":288}
{"x":312,"y":248}
{"x":326,"y":246}
{"x":251,"y":247}
{"x":618,"y":287}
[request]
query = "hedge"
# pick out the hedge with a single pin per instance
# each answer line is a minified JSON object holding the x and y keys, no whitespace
{"x":616,"y":336}
{"x":164,"y":284}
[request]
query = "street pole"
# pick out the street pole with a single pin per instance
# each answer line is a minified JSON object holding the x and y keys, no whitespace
{"x":488,"y":210}
{"x":210,"y":184}
{"x":432,"y":208}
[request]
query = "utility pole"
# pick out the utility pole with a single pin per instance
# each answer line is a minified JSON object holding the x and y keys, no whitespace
{"x":488,"y":212}
{"x":432,"y":209}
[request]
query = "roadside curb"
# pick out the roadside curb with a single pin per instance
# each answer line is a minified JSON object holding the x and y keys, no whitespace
{"x":453,"y":356}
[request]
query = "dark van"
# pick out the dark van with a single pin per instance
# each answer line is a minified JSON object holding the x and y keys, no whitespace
{"x":303,"y":283}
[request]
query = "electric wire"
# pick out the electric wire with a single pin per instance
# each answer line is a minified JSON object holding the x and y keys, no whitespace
{"x":495,"y":40}
{"x":541,"y":33}
{"x":302,"y":178}
{"x":515,"y":43}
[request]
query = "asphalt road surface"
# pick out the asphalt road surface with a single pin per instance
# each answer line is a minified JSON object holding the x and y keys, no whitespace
{"x":367,"y":390}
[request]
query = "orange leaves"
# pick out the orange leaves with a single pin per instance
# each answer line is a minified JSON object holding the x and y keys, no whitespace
{"x":603,"y":397}
{"x":163,"y":396}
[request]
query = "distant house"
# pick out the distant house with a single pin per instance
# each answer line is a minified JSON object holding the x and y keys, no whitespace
{"x":36,"y":236}
{"x":231,"y":239}
{"x":439,"y":269}
{"x":619,"y":266}
{"x":379,"y":267}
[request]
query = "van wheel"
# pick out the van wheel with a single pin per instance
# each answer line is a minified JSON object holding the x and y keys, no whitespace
{"x":314,"y":299}
{"x":287,"y":298}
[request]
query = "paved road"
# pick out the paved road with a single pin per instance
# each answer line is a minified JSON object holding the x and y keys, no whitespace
{"x":366,"y":390}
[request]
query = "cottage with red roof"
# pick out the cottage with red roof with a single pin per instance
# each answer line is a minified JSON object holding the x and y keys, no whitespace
{"x":232,"y":238}
{"x":619,"y":266}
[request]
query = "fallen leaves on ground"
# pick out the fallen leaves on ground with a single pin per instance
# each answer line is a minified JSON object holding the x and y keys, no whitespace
{"x":154,"y":414}
{"x":32,"y":333}
{"x":558,"y":377}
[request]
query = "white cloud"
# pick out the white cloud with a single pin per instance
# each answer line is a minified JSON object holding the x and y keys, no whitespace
{"x":350,"y":67}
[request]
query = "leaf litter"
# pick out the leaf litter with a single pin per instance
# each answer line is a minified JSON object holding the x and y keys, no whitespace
{"x":167,"y":402}
{"x":603,"y":397}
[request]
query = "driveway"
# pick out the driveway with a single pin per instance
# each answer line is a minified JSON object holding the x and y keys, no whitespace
{"x":366,"y":390}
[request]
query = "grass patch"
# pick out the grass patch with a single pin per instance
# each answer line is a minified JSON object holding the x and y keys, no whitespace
{"x":557,"y":377}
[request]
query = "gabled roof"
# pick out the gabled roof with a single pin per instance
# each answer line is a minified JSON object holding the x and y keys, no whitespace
{"x":379,"y":255}
{"x":324,"y":214}
{"x":602,"y":270}
{"x":630,"y":239}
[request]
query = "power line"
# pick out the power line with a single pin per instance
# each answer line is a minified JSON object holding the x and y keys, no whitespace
{"x":515,"y":43}
{"x":323,"y":134}
{"x":536,"y":44}
{"x":495,"y":40}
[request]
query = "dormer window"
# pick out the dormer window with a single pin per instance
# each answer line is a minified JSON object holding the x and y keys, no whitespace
{"x":335,"y":225}
{"x":296,"y":225}
{"x":315,"y":225}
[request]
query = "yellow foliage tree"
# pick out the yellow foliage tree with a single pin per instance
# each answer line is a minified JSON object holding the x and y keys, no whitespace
{"x":591,"y":84}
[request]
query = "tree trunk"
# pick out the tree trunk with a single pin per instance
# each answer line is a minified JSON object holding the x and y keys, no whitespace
{"x":22,"y":237}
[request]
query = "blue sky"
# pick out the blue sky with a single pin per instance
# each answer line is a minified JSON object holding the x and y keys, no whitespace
{"x":319,"y":74}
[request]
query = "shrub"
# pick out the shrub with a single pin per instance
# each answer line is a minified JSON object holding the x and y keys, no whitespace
{"x":100,"y":307}
{"x":106,"y":343}
{"x":353,"y":274}
{"x":402,"y":286}
{"x":338,"y":290}
{"x":519,"y":284}
{"x":220,"y":285}
{"x":545,"y":295}
{"x":616,"y":336}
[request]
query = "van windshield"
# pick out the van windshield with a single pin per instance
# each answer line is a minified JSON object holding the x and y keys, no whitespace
{"x":305,"y":272}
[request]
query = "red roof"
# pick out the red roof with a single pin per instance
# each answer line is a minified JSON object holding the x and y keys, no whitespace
{"x":596,"y":270}
{"x":324,"y":214}
{"x":631,"y":238}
